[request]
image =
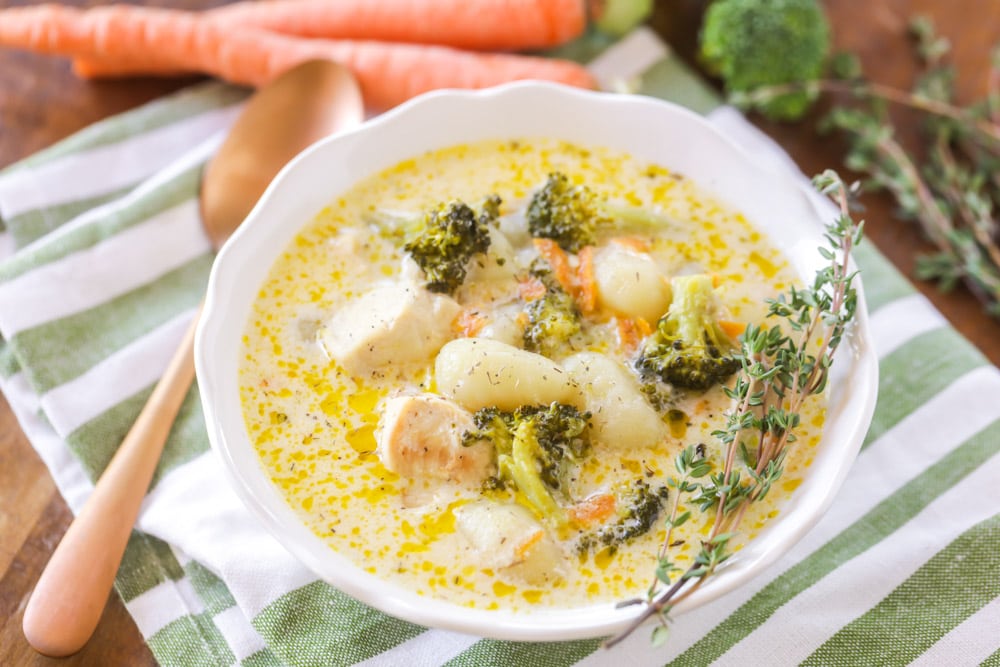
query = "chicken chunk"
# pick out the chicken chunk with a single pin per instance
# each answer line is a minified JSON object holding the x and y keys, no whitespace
{"x":391,"y":324}
{"x":506,"y":537}
{"x":421,"y":436}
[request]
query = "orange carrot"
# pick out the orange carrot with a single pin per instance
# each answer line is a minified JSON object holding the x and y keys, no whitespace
{"x":480,"y":25}
{"x":469,"y":322}
{"x":631,"y":332}
{"x":469,"y":24}
{"x":531,"y":288}
{"x":559,"y":261}
{"x":733,"y":329}
{"x":586,"y":281}
{"x":137,"y":40}
{"x":522,"y":549}
{"x":593,"y":509}
{"x":632,"y":243}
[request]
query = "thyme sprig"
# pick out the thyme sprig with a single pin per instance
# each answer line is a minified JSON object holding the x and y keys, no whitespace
{"x":953,"y":190}
{"x":783,"y":362}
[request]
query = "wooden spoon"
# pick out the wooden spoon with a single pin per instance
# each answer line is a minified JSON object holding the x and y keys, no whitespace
{"x":303,"y":105}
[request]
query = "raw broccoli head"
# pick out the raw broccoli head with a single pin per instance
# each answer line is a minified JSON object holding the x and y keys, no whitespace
{"x":552,"y":319}
{"x":447,"y":238}
{"x":689,"y":349}
{"x":568,"y":214}
{"x":754,"y":43}
{"x":639,"y":508}
{"x":535,"y":446}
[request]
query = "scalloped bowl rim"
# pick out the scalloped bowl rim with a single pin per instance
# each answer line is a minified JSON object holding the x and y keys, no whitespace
{"x":649,"y":129}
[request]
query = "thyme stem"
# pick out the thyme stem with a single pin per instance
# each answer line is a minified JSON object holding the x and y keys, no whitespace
{"x":778,"y":374}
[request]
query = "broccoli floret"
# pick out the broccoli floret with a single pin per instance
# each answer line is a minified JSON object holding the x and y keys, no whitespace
{"x":754,"y":43}
{"x":689,"y":349}
{"x":639,"y":508}
{"x":553,"y":318}
{"x":574,"y":215}
{"x":566,"y":213}
{"x":535,"y":446}
{"x":447,"y":238}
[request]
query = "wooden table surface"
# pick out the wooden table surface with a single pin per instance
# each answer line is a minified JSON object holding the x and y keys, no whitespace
{"x":41,"y":102}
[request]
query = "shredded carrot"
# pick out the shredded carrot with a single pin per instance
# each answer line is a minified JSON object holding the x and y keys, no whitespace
{"x":468,"y":323}
{"x":585,"y":279}
{"x":733,"y":329}
{"x":628,"y":334}
{"x":120,"y":40}
{"x":522,"y":549}
{"x":480,"y":25}
{"x":631,"y":332}
{"x":559,"y":261}
{"x":632,"y":243}
{"x":531,"y":288}
{"x":716,"y":280}
{"x":593,"y":509}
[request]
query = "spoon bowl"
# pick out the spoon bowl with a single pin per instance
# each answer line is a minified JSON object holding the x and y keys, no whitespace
{"x":305,"y":104}
{"x":295,"y":111}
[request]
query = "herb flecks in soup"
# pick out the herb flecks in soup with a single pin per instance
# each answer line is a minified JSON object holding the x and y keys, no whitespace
{"x":472,"y":372}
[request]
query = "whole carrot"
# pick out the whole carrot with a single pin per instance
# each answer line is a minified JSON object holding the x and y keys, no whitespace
{"x":467,"y":24}
{"x":166,"y":41}
{"x":470,"y":24}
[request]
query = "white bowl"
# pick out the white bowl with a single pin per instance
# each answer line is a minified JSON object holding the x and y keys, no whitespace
{"x":648,"y":129}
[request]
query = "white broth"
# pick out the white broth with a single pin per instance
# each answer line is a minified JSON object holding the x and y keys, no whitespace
{"x":343,"y":374}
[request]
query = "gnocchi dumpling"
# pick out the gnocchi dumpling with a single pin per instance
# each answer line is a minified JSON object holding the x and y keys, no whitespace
{"x":479,"y":372}
{"x":630,"y":283}
{"x":620,"y":415}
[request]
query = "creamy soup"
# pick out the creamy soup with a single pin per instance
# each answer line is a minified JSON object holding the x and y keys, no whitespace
{"x":390,"y":409}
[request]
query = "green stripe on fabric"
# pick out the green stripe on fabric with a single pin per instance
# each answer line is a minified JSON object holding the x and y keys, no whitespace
{"x":317,"y":625}
{"x":875,"y":526}
{"x":212,"y":590}
{"x":158,"y":113}
{"x":179,"y":189}
{"x":190,"y":641}
{"x":95,"y":442}
{"x":916,"y":372}
{"x":670,"y":80}
{"x":147,"y":562}
{"x":992,"y":661}
{"x":33,"y":225}
{"x":954,"y":584}
{"x":883,"y":283}
{"x":9,"y":364}
{"x":540,"y":654}
{"x":63,"y":349}
{"x":188,"y":438}
{"x":262,"y":658}
{"x":584,"y":48}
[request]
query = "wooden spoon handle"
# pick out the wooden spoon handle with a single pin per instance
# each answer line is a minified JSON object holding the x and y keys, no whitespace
{"x":70,"y":595}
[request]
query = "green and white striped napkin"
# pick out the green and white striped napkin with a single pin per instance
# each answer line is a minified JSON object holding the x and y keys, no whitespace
{"x":104,"y":263}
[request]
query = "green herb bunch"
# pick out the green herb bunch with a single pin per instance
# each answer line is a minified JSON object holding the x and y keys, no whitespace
{"x":783,"y":362}
{"x":950,"y":186}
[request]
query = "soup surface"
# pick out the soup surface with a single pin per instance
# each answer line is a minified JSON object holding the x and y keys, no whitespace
{"x":359,"y":384}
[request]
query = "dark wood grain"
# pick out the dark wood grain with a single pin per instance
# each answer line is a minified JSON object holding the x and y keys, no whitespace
{"x":41,"y":102}
{"x":877,"y":31}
